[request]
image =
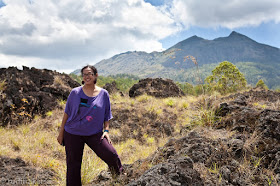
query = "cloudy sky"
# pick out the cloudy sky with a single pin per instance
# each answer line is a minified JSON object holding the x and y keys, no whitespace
{"x":65,"y":35}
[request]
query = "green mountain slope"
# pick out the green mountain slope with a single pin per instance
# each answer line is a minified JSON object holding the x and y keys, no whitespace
{"x":255,"y":60}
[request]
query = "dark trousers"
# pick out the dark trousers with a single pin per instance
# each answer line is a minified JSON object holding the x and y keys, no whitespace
{"x":74,"y":147}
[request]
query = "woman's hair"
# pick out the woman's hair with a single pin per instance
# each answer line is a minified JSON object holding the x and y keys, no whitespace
{"x":94,"y":70}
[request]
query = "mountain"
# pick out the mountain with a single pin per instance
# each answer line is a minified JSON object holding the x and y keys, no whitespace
{"x":234,"y":48}
{"x":255,"y":60}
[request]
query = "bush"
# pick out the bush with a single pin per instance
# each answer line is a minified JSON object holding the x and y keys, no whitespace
{"x":124,"y":81}
{"x":187,"y":88}
{"x":226,"y":78}
{"x":261,"y":84}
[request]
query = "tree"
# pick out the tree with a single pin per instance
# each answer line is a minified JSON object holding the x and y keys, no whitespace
{"x":187,"y":88}
{"x":226,"y":78}
{"x":261,"y":84}
{"x":199,"y":89}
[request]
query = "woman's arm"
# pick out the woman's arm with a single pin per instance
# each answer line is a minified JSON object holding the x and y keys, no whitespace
{"x":106,"y":125}
{"x":61,"y":130}
{"x":106,"y":134}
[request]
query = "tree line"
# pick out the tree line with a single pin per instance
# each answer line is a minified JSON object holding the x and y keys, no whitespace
{"x":225,"y":78}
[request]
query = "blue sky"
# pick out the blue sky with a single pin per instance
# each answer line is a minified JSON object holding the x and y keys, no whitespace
{"x":65,"y":35}
{"x":266,"y":33}
{"x":156,"y":2}
{"x":2,"y":3}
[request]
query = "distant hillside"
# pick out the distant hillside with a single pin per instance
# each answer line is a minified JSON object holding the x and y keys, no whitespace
{"x":257,"y":61}
{"x":234,"y":48}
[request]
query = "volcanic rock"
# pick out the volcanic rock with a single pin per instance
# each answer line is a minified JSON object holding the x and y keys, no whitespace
{"x":157,"y":87}
{"x":174,"y":172}
{"x":17,"y":172}
{"x":29,"y":92}
{"x":112,"y":88}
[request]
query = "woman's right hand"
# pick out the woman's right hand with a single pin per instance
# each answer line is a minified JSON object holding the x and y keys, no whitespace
{"x":60,"y":138}
{"x":61,"y":131}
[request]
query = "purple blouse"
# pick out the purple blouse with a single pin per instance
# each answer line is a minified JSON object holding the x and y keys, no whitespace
{"x":86,"y":115}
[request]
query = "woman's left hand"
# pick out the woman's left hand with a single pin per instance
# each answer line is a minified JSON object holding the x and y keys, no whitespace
{"x":106,"y":135}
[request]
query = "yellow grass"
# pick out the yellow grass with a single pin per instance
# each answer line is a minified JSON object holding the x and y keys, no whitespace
{"x":37,"y":145}
{"x":2,"y":85}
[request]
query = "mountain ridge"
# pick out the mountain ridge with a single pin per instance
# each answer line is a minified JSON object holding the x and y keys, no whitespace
{"x":172,"y":63}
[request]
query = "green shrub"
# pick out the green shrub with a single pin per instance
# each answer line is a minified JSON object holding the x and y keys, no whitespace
{"x":261,"y":84}
{"x":226,"y":78}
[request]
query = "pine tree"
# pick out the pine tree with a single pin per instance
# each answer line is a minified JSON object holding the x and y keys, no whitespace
{"x":226,"y":78}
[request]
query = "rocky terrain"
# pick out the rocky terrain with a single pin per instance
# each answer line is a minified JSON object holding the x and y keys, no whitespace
{"x":157,"y":87}
{"x":241,"y":148}
{"x":112,"y":88}
{"x":29,"y":92}
{"x":17,"y":172}
{"x":240,"y":144}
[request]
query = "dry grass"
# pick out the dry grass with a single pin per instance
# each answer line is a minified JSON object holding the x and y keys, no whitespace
{"x":251,"y":143}
{"x":202,"y":169}
{"x":250,"y":166}
{"x":182,"y":107}
{"x":212,"y":173}
{"x":214,"y":134}
{"x":204,"y":117}
{"x":36,"y":144}
{"x":261,"y":105}
{"x":3,"y":85}
{"x":276,"y":105}
{"x":132,"y":150}
{"x":144,"y":98}
{"x":59,"y":82}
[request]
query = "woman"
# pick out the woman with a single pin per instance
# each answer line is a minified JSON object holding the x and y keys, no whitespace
{"x":86,"y":120}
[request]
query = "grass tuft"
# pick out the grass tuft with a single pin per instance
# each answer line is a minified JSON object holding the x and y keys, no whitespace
{"x":169,"y":102}
{"x":58,"y":81}
{"x":3,"y":85}
{"x":91,"y":166}
{"x":144,"y":98}
{"x":49,"y":113}
{"x":205,"y":117}
{"x":214,"y":168}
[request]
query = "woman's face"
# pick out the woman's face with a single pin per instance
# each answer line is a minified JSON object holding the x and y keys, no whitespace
{"x":88,"y":76}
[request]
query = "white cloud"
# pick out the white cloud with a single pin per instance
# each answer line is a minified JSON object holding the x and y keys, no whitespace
{"x":66,"y":34}
{"x":41,"y":63}
{"x":221,"y":13}
{"x":60,"y":34}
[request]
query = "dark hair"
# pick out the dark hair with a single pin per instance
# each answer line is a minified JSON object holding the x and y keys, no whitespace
{"x":91,"y":67}
{"x":94,"y":70}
